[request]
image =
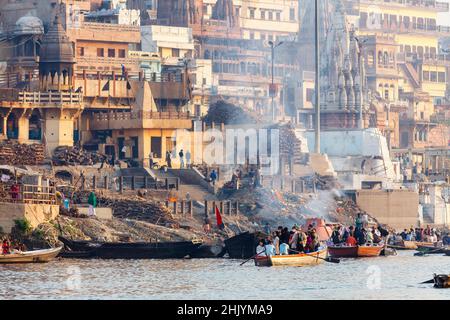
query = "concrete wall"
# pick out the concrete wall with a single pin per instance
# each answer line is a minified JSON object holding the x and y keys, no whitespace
{"x":34,"y":213}
{"x":397,"y":208}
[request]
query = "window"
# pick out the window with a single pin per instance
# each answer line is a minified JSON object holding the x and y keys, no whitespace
{"x":441,"y":77}
{"x":270,"y":15}
{"x":237,"y":11}
{"x":156,"y":145}
{"x":310,"y":95}
{"x":270,"y":37}
{"x":386,"y":94}
{"x":100,"y":52}
{"x":175,"y":52}
{"x":263,"y":37}
{"x":292,"y":14}
{"x":252,"y":35}
{"x":263,"y":15}
{"x":252,"y":13}
{"x":278,"y":16}
{"x":422,"y":115}
{"x":122,"y":53}
{"x":111,"y":53}
{"x":433,"y":76}
{"x":426,"y":75}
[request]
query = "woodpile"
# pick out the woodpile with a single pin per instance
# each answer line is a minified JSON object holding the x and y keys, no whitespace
{"x":290,"y":145}
{"x":63,"y":156}
{"x":16,"y":154}
{"x":138,"y":209}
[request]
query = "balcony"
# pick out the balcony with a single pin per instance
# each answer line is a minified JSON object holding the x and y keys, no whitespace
{"x":42,"y":99}
{"x":141,"y":120}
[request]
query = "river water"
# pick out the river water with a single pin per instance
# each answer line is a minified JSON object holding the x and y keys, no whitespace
{"x":395,"y":277}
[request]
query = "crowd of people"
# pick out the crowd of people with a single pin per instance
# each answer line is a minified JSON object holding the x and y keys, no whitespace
{"x":285,"y":242}
{"x":427,"y":234}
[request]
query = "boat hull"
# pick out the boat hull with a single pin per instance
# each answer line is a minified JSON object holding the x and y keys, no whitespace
{"x":442,"y":281}
{"x":243,"y":246}
{"x":355,"y":251}
{"x":431,"y":249}
{"x":406,"y":245}
{"x":297,"y":260}
{"x":157,"y":250}
{"x":343,"y":252}
{"x":369,"y":251}
{"x":38,"y":256}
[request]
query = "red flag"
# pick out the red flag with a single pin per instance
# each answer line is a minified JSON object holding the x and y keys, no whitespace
{"x":219,"y":219}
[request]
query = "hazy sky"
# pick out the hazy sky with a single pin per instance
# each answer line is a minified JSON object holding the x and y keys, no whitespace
{"x":444,"y":18}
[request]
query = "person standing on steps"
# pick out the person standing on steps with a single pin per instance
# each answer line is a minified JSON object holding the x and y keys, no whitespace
{"x":168,"y":159}
{"x":181,"y":154}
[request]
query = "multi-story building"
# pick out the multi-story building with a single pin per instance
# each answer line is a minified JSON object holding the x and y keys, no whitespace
{"x":235,"y":35}
{"x":406,"y":68}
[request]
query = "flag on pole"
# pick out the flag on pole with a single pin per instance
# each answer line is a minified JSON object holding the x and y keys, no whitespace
{"x":219,"y":219}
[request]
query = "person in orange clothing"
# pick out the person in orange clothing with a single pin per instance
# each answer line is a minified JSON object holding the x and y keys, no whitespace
{"x":351,"y":241}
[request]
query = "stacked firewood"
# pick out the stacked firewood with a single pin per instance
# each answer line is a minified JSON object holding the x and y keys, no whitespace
{"x":290,"y":145}
{"x":63,"y":156}
{"x":138,"y":209}
{"x":13,"y":153}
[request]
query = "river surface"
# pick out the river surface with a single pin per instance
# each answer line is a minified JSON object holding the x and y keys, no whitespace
{"x":373,"y":278}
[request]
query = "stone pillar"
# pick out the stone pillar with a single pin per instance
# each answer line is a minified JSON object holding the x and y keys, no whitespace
{"x":23,"y":125}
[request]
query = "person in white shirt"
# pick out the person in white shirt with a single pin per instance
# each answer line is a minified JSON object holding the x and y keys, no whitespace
{"x":261,"y":250}
{"x":284,"y":249}
{"x":270,"y":249}
{"x":276,"y":242}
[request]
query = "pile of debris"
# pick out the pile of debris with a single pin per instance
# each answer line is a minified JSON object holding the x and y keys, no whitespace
{"x":16,"y":154}
{"x":139,"y":209}
{"x":64,"y":156}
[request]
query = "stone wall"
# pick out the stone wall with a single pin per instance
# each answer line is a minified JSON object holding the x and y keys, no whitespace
{"x":396,"y":208}
{"x":34,"y":213}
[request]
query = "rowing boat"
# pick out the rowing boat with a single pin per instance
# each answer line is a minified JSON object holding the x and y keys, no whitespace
{"x":404,"y":245}
{"x":432,"y":249}
{"x":293,"y":260}
{"x":38,"y":256}
{"x":130,"y":250}
{"x":441,"y":281}
{"x":354,"y":251}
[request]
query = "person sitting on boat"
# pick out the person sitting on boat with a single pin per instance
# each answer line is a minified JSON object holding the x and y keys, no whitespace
{"x":284,"y":249}
{"x":276,"y":241}
{"x":369,"y":236}
{"x":293,"y":239}
{"x":404,"y":234}
{"x":336,"y":235}
{"x":6,"y":247}
{"x":345,"y":235}
{"x":446,"y":240}
{"x":360,"y":236}
{"x":270,"y":249}
{"x":261,"y":249}
{"x":302,"y":239}
{"x":376,"y":235}
{"x":351,"y":241}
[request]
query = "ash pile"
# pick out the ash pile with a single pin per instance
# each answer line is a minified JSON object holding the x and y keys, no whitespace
{"x":16,"y":154}
{"x":72,"y":156}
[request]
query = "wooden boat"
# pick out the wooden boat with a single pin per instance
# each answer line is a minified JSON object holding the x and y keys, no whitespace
{"x":243,"y":246}
{"x":343,"y":251}
{"x":294,"y":260}
{"x":369,"y":251}
{"x":405,"y":245}
{"x":135,"y":250}
{"x":38,"y":256}
{"x":432,"y":249}
{"x":354,"y":251}
{"x":441,"y":281}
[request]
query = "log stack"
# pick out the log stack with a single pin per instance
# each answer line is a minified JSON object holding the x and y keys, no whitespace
{"x":64,"y":156}
{"x":13,"y":153}
{"x":138,"y":209}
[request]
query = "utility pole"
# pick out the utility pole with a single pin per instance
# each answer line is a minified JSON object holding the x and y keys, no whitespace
{"x":317,"y":106}
{"x":272,"y":90}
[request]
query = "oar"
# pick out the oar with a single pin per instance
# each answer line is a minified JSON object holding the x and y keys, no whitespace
{"x":429,"y":281}
{"x":252,"y":258}
{"x":422,"y":253}
{"x":328,"y":259}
